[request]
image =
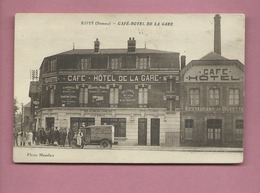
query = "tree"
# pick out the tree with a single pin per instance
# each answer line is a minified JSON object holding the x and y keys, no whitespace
{"x":16,"y":108}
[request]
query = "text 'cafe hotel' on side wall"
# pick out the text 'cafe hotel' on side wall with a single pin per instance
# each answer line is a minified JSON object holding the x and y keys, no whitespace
{"x":212,"y":99}
{"x":141,"y":92}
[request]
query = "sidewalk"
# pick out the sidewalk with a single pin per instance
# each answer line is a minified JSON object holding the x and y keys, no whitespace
{"x":148,"y":148}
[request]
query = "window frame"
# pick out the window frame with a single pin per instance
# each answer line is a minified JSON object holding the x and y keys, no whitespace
{"x":188,"y":129}
{"x":215,"y":100}
{"x":239,"y":129}
{"x":194,"y":96}
{"x":234,"y":98}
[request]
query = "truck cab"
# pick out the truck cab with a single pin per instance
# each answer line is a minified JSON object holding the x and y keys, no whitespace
{"x":102,"y":135}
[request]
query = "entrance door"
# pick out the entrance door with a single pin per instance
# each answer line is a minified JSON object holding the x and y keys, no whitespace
{"x":142,"y":131}
{"x":49,"y":123}
{"x":155,"y":132}
{"x":214,"y":128}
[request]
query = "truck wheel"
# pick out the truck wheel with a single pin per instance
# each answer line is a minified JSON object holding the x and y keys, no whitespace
{"x":105,"y":144}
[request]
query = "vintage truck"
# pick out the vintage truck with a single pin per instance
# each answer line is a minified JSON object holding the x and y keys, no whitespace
{"x":102,"y":135}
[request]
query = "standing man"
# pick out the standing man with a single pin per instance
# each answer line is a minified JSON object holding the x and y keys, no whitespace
{"x":23,"y":138}
{"x":63,"y":135}
{"x":70,"y":136}
{"x":56,"y":136}
{"x":30,"y":138}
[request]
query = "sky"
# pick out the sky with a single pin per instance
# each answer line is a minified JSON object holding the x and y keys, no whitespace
{"x":40,"y":35}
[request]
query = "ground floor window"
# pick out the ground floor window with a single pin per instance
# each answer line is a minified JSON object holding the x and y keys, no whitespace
{"x":239,"y":125}
{"x":119,"y":124}
{"x":77,"y":123}
{"x":188,"y":130}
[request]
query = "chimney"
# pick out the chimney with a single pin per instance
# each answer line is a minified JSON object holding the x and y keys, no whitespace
{"x":183,"y":61}
{"x":131,"y":45}
{"x":96,"y":46}
{"x":217,"y":34}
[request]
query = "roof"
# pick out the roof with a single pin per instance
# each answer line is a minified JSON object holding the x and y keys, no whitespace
{"x":28,"y":105}
{"x":113,"y":51}
{"x":34,"y":87}
{"x":212,"y":59}
{"x":213,"y":56}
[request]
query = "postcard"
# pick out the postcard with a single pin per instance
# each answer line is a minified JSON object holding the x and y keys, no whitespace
{"x":129,"y":88}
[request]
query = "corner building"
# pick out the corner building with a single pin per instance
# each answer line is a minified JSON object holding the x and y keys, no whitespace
{"x":134,"y":89}
{"x":212,"y":102}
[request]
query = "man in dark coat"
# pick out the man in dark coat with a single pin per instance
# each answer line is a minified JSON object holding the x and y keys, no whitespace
{"x":63,"y":135}
{"x":56,"y":136}
{"x":51,"y":137}
{"x":70,"y":136}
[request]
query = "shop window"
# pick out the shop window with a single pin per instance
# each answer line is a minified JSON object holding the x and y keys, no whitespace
{"x":188,"y":130}
{"x":119,"y":124}
{"x":77,"y":123}
{"x":114,"y":63}
{"x":83,"y":96}
{"x":233,"y":97}
{"x":113,"y":96}
{"x":83,"y":63}
{"x":213,"y":97}
{"x":194,"y":96}
{"x":239,"y":125}
{"x":142,"y":96}
{"x":143,"y":63}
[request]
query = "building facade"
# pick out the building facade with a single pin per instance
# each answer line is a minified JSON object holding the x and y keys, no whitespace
{"x":212,"y":102}
{"x":134,"y":89}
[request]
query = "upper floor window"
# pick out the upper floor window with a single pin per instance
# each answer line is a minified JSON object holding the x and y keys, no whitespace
{"x":53,"y":65}
{"x":194,"y":96}
{"x":233,"y":97}
{"x":99,"y":62}
{"x":83,"y":96}
{"x":213,"y":97}
{"x":114,"y":63}
{"x":143,"y":63}
{"x":170,"y":104}
{"x":84,"y":63}
{"x":51,"y":99}
{"x":129,"y":61}
{"x":143,"y":95}
{"x":170,"y":86}
{"x":113,"y":96}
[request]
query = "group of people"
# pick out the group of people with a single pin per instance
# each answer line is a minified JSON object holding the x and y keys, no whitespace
{"x":51,"y":136}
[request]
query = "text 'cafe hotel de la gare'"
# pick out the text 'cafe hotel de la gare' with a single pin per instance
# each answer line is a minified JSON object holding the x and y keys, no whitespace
{"x":138,"y":91}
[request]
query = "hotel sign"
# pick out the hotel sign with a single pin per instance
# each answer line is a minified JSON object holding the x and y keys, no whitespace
{"x":214,"y":74}
{"x":111,"y":78}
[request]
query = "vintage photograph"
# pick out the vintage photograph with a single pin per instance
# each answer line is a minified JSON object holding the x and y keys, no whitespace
{"x":129,"y":88}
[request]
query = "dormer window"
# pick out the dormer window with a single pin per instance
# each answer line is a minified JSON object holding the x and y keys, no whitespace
{"x":53,"y":65}
{"x":114,"y":63}
{"x":143,"y":63}
{"x":83,"y":63}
